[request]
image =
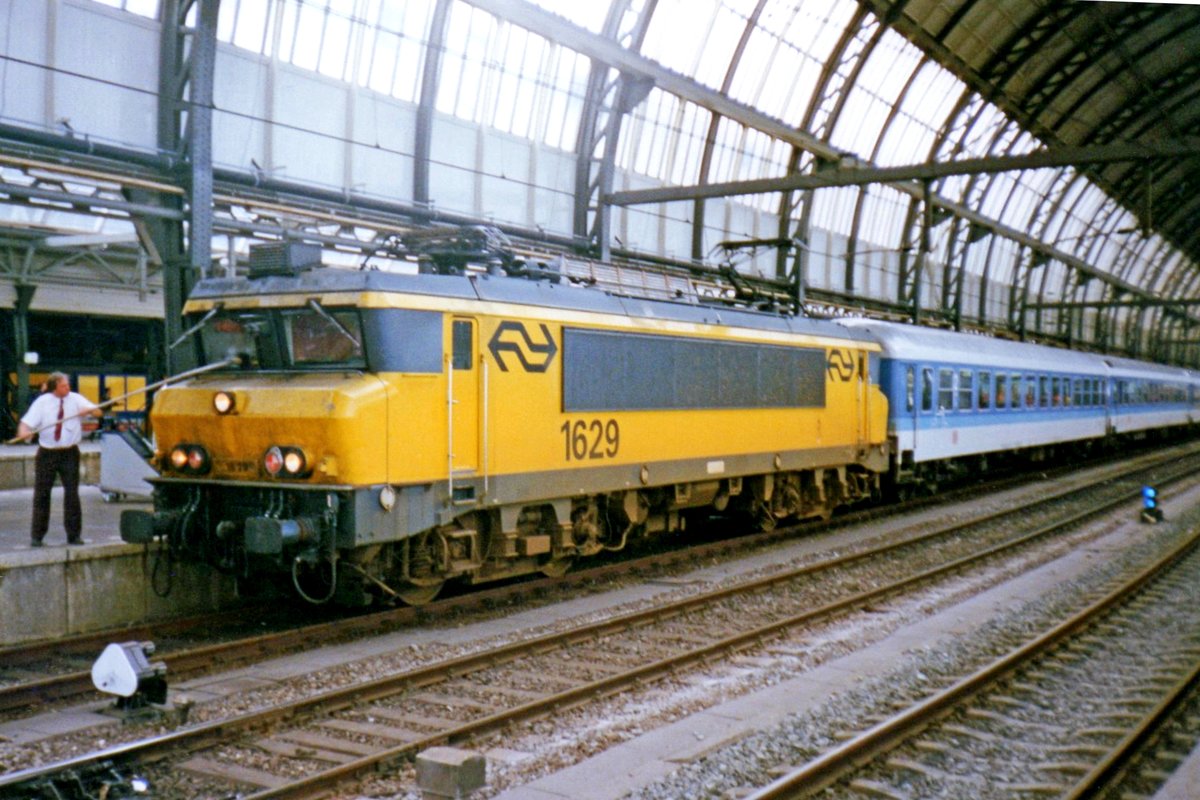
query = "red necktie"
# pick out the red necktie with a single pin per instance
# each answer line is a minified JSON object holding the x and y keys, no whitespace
{"x":58,"y":427}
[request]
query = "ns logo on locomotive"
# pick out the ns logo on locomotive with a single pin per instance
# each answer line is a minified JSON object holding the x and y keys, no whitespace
{"x":385,"y":433}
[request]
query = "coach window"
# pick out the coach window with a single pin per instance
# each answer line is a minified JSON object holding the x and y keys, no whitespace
{"x":1015,"y":398}
{"x":945,"y":389}
{"x":985,"y":390}
{"x":965,"y":389}
{"x":926,"y":388}
{"x":1001,"y":391}
{"x":1077,"y":392}
{"x":1030,"y":391}
{"x":1056,"y":391}
{"x":910,"y":388}
{"x":1044,"y":394}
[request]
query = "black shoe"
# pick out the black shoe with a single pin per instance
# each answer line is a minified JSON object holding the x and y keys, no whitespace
{"x":75,"y":541}
{"x":36,"y":543}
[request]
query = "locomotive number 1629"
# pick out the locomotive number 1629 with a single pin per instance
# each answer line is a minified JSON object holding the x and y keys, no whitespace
{"x":590,"y":439}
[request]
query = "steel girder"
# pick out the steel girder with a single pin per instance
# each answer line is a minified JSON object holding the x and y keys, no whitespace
{"x":431,"y":78}
{"x":187,"y":60}
{"x":611,"y":95}
{"x":710,"y":138}
{"x":827,"y":100}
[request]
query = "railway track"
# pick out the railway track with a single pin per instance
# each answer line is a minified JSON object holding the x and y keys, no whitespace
{"x":313,"y":745}
{"x":61,"y":669}
{"x":1060,"y":716}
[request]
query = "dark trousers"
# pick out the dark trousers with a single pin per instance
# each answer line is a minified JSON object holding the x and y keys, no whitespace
{"x":48,"y":463}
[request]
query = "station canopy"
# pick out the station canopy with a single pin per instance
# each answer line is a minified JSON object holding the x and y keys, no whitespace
{"x":1023,"y":167}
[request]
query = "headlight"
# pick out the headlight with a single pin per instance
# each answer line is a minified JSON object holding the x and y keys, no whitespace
{"x":224,"y":402}
{"x":273,"y":461}
{"x":191,"y":459}
{"x":288,"y":462}
{"x":293,"y":462}
{"x":197,"y":459}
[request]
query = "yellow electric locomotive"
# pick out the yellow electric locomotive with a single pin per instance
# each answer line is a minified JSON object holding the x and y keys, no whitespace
{"x":386,"y":432}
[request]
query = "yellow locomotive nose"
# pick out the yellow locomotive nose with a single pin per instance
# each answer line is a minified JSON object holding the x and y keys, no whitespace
{"x":314,"y":427}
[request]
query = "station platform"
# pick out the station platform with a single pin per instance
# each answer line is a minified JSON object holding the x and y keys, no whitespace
{"x":56,"y":590}
{"x":16,"y":464}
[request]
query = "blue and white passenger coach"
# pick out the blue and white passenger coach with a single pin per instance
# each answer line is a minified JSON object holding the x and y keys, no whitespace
{"x":956,"y":398}
{"x":1147,"y":397}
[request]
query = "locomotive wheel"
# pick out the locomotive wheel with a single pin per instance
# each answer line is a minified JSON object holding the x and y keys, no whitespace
{"x":415,"y":595}
{"x":558,"y":567}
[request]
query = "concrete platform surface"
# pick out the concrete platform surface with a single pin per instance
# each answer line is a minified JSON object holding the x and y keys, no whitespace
{"x":101,"y":520}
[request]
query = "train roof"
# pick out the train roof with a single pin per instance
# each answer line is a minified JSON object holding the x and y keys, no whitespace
{"x":917,"y":343}
{"x":1130,"y":368}
{"x":518,"y":291}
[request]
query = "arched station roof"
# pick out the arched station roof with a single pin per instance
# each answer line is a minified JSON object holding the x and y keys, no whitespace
{"x":1025,"y":167}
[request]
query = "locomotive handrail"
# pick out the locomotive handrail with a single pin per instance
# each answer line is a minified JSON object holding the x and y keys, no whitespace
{"x":157,"y":385}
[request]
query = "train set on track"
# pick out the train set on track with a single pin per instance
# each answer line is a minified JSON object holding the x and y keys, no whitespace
{"x":384,"y":433}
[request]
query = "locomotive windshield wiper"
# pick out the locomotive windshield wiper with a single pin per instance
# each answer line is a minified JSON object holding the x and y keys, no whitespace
{"x":342,"y":329}
{"x":203,"y":321}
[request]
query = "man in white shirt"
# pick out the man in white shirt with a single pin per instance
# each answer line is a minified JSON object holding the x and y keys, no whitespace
{"x":57,"y":413}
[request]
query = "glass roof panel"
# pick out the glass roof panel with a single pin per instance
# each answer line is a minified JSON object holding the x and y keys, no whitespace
{"x":883,"y":218}
{"x":664,"y":139}
{"x":678,"y":32}
{"x":793,"y":39}
{"x":586,"y":15}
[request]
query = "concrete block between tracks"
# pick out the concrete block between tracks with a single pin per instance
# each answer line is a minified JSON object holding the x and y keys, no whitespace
{"x":450,"y":772}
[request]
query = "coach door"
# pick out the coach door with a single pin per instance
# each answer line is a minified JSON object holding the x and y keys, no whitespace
{"x":918,"y":398}
{"x":464,"y":400}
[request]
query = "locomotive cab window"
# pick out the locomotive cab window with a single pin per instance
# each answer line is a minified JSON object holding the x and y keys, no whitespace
{"x":312,"y":337}
{"x":247,"y":335}
{"x":320,"y":337}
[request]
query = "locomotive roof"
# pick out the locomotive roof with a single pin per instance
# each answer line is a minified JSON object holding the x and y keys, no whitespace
{"x":517,"y":291}
{"x":917,"y":343}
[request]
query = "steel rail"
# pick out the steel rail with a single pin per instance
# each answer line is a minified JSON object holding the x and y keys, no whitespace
{"x":210,"y":734}
{"x":79,"y":682}
{"x":324,"y":781}
{"x":196,"y":660}
{"x":1112,"y":766}
{"x":835,"y":764}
